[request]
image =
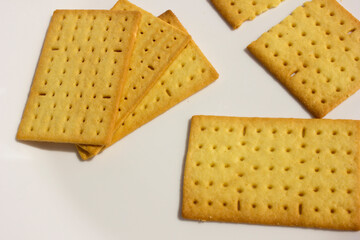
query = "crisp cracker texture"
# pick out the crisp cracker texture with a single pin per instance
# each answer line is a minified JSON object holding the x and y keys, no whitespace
{"x":188,"y":74}
{"x":235,"y":12}
{"x":293,"y":172}
{"x":315,"y":54}
{"x":78,"y":81}
{"x":157,"y":45}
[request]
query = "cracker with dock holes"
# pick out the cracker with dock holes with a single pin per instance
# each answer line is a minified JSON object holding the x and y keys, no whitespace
{"x":157,"y":45}
{"x":188,"y":74}
{"x":79,"y":77}
{"x":294,"y":172}
{"x":235,"y":12}
{"x":315,"y":54}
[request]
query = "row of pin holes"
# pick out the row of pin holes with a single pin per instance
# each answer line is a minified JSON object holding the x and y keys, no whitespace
{"x":161,"y":30}
{"x":269,"y":206}
{"x":254,"y":3}
{"x":270,"y":187}
{"x":82,"y":131}
{"x":80,"y":72}
{"x":67,"y":119}
{"x":163,"y":82}
{"x":76,"y":26}
{"x":86,"y":108}
{"x":232,"y":3}
{"x":256,"y":149}
{"x":274,"y":131}
{"x":79,"y":49}
{"x":290,"y":44}
{"x":271,"y":168}
{"x":316,"y":55}
{"x":94,"y":96}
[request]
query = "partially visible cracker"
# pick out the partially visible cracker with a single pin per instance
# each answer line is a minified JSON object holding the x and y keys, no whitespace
{"x":189,"y":73}
{"x":78,"y":81}
{"x":157,"y":45}
{"x":235,"y":12}
{"x":292,"y":172}
{"x":315,"y":54}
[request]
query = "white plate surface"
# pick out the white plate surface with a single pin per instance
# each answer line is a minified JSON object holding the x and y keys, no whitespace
{"x":132,"y":190}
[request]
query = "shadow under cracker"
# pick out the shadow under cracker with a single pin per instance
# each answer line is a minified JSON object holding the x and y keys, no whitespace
{"x":275,"y":79}
{"x":50,"y":146}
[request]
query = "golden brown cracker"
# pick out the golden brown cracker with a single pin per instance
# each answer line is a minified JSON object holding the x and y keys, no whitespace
{"x":315,"y":54}
{"x":235,"y":12}
{"x":189,"y":73}
{"x":77,"y":84}
{"x":157,"y":45}
{"x":292,"y":172}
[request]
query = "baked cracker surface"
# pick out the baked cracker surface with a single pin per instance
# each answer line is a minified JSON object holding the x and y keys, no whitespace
{"x":293,"y":172}
{"x":235,"y":12}
{"x":315,"y":54}
{"x":188,"y":74}
{"x":157,"y":45}
{"x":79,"y":77}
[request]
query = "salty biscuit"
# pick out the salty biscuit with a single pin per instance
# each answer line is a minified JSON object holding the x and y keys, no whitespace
{"x":77,"y":84}
{"x":293,"y":172}
{"x":315,"y":54}
{"x":235,"y":12}
{"x":157,"y":45}
{"x":189,"y":73}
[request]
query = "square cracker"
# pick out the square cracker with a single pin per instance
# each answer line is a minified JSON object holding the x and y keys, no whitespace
{"x":79,"y":77}
{"x":235,"y":12}
{"x":157,"y":45}
{"x":315,"y":54}
{"x":293,"y":172}
{"x":188,"y":74}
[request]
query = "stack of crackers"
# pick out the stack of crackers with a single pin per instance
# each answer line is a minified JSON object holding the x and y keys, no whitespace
{"x":103,"y":74}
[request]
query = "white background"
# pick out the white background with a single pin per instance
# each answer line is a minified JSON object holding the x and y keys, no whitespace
{"x":133,"y":189}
